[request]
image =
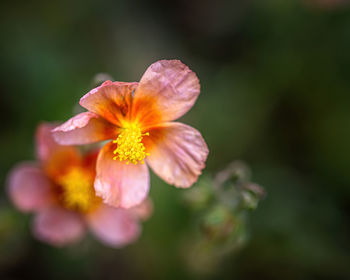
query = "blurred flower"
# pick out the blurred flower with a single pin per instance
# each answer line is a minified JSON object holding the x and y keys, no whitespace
{"x":222,"y":204}
{"x":137,"y":116}
{"x":59,"y":190}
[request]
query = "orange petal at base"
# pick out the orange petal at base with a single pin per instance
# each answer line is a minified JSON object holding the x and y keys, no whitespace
{"x":111,"y":101}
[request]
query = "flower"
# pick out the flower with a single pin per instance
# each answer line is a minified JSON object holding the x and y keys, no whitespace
{"x":59,"y":190}
{"x":137,"y":117}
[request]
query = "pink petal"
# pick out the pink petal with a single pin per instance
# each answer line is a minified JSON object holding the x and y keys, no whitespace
{"x":144,"y":210}
{"x":172,"y":85}
{"x":58,"y":226}
{"x":28,"y":187}
{"x":53,"y":157}
{"x":177,"y":153}
{"x":45,"y":144}
{"x":119,"y":184}
{"x":111,"y":100}
{"x":115,"y":227}
{"x":83,"y":128}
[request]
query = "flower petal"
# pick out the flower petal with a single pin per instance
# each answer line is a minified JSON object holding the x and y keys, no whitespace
{"x":28,"y":187}
{"x":83,"y":128}
{"x":115,"y":227}
{"x":111,"y":100}
{"x":177,"y":153}
{"x":54,"y":158}
{"x":144,"y":210}
{"x":58,"y":226}
{"x":45,"y":144}
{"x":172,"y":86}
{"x":119,"y":184}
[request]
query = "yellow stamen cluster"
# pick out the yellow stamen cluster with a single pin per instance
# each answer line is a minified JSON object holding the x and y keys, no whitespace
{"x":78,"y":192}
{"x":129,"y":145}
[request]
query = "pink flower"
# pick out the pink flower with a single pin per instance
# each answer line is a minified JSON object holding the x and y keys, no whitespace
{"x":59,"y":190}
{"x":137,"y":117}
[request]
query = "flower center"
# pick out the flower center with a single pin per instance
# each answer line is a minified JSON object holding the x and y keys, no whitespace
{"x":129,"y":145}
{"x":78,"y":192}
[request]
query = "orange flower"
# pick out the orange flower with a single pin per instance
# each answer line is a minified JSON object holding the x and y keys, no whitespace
{"x":137,"y":118}
{"x":59,"y":189}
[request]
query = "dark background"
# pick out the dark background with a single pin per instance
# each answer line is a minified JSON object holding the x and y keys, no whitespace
{"x":275,"y":77}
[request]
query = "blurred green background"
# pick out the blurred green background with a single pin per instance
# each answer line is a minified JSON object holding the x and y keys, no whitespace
{"x":275,"y":78}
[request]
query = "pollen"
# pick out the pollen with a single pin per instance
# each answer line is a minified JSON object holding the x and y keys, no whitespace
{"x":77,"y":190}
{"x":129,"y":145}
